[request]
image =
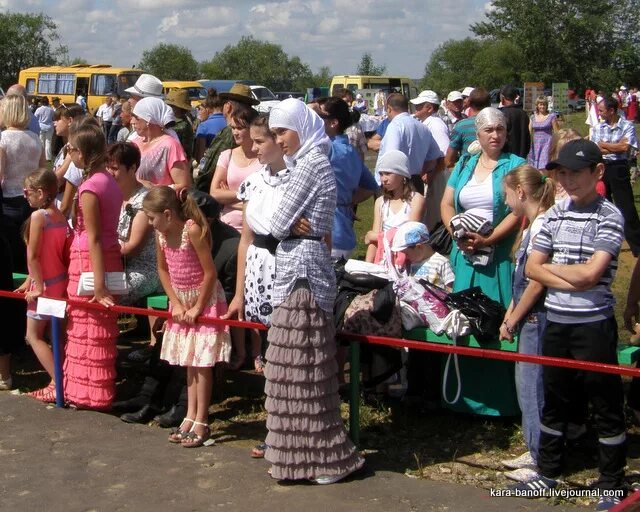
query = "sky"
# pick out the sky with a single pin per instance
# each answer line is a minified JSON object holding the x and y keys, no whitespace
{"x":335,"y":33}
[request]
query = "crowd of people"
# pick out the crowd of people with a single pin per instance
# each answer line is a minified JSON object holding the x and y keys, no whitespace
{"x":243,"y":215}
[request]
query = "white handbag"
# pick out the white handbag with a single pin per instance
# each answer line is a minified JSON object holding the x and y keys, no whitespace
{"x":116,"y":283}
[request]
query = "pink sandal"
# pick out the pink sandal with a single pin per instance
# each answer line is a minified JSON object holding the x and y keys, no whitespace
{"x":258,"y":364}
{"x":46,"y":394}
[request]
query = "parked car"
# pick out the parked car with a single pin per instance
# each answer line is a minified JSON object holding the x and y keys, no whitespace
{"x":576,"y":104}
{"x":264,"y":95}
{"x":266,"y":98}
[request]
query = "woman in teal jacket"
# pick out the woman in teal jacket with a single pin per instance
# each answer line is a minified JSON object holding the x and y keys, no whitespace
{"x":475,"y":186}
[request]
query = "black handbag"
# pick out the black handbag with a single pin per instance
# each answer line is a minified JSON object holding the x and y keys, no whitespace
{"x":440,"y":239}
{"x":485,"y":315}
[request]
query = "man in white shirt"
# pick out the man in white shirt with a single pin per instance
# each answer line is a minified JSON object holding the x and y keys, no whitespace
{"x":452,"y":112}
{"x":81,"y":100}
{"x":407,"y":134}
{"x":104,"y":114}
{"x":426,"y":105}
{"x":44,"y":115}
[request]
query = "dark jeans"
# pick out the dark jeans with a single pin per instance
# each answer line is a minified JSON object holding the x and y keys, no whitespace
{"x":112,"y":135}
{"x":106,"y":128}
{"x":618,"y":184}
{"x":592,"y":341}
{"x":12,"y":311}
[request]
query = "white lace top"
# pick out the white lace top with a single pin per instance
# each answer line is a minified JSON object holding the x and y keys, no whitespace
{"x":23,"y":150}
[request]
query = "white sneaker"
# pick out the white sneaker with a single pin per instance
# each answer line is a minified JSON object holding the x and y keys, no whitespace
{"x":522,"y":474}
{"x":6,"y":385}
{"x":524,"y":461}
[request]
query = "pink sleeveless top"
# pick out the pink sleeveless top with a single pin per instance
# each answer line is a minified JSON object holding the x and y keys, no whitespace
{"x":184,"y":266}
{"x":235,"y":176}
{"x":54,"y":261}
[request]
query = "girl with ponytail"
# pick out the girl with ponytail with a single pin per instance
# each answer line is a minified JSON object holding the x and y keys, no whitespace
{"x":90,"y":354}
{"x":189,"y":278}
{"x":527,"y":193}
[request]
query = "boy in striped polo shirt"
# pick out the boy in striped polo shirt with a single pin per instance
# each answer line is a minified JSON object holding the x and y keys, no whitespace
{"x":575,"y":256}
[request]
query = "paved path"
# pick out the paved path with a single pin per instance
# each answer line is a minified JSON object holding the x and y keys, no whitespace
{"x":66,"y":460}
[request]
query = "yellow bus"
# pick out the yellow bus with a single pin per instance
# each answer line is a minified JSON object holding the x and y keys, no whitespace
{"x":95,"y":82}
{"x":196,"y":92}
{"x":388,"y":84}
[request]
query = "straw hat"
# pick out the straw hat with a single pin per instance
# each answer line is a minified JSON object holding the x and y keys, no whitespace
{"x":147,"y":86}
{"x":178,"y":98}
{"x":241,"y":93}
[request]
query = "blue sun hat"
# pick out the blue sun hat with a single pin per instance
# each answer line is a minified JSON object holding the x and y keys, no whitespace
{"x":408,"y":235}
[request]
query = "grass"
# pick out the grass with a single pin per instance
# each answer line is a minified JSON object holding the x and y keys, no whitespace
{"x":441,"y":445}
{"x":425,"y":446}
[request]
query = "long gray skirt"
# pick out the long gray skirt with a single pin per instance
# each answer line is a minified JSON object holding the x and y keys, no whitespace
{"x":307,"y":437}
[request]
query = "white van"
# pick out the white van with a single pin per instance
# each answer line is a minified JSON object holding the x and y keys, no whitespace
{"x":266,"y":98}
{"x":264,"y":95}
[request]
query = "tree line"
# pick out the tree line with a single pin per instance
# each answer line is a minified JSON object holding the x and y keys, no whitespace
{"x":588,"y":43}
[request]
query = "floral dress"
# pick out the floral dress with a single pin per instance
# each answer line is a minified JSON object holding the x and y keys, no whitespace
{"x":141,"y":270}
{"x":541,"y":144}
{"x":199,"y":345}
{"x":262,"y":192}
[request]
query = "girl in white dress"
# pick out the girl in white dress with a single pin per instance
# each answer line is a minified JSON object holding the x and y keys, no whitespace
{"x":260,"y":194}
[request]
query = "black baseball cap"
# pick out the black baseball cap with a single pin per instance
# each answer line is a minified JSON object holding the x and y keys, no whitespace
{"x":576,"y":155}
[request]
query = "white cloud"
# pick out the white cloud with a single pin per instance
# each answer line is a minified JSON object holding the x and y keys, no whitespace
{"x":321,"y":32}
{"x":168,"y":23}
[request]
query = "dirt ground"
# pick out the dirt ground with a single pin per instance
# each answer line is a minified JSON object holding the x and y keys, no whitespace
{"x":405,"y":446}
{"x":66,"y":460}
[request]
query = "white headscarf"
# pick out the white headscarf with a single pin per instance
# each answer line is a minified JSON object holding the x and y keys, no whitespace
{"x":154,"y":111}
{"x":490,"y":116}
{"x":294,"y":115}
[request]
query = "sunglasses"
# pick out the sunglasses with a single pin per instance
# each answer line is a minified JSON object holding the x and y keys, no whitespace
{"x":27,"y":191}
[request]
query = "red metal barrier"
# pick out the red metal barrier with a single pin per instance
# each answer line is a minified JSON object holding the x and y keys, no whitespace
{"x":379,"y":340}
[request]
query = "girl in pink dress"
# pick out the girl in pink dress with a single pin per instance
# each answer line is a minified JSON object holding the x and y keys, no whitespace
{"x":90,"y":354}
{"x":47,"y":236}
{"x":189,"y":278}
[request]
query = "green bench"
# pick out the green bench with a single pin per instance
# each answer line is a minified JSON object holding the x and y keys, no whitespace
{"x":159,"y":301}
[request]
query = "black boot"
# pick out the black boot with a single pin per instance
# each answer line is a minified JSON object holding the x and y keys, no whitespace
{"x":174,"y":416}
{"x":149,"y":388}
{"x":144,"y":415}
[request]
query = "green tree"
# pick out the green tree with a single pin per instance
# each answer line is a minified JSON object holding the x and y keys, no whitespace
{"x":27,"y":40}
{"x":456,"y":64}
{"x":260,"y":61}
{"x":368,"y":68}
{"x":583,"y":42}
{"x":170,"y":62}
{"x":323,"y":77}
{"x":78,"y":60}
{"x":451,"y":66}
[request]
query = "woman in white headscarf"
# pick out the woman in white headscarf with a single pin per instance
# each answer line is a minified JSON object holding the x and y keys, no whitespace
{"x":307,"y":439}
{"x":163,"y":159}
